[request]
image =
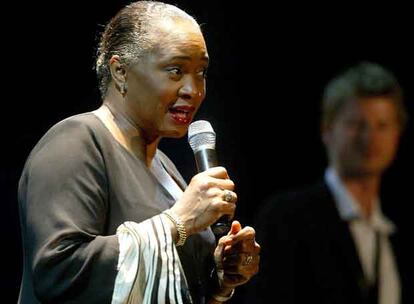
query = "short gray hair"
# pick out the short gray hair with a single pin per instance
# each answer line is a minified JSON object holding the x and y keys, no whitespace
{"x":129,"y":35}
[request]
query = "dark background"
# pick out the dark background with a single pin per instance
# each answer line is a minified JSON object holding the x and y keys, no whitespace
{"x":269,"y":64}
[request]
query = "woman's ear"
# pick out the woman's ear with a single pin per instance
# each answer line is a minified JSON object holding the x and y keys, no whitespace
{"x":118,"y":74}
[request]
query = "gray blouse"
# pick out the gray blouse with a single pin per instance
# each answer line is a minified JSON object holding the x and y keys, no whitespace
{"x":78,"y":185}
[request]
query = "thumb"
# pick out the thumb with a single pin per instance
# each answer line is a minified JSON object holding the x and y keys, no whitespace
{"x":235,"y":227}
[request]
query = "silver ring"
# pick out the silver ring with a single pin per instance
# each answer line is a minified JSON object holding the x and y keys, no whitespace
{"x":227,"y":196}
{"x":248,"y":260}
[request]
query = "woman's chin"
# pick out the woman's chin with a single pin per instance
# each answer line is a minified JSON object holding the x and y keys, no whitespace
{"x":175,"y":133}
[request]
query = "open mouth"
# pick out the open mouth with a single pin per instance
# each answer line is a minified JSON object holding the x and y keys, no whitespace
{"x":181,"y":114}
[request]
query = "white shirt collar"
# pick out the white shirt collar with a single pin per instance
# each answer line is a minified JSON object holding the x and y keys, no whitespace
{"x":349,"y":209}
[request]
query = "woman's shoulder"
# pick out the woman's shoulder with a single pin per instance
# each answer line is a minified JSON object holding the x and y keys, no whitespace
{"x":81,"y":123}
{"x":69,"y":153}
{"x":79,"y":126}
{"x":76,"y":134}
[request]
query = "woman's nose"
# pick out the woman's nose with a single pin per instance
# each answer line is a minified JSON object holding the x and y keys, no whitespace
{"x":190,"y":89}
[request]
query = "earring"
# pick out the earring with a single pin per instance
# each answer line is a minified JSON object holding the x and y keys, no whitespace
{"x":123,"y":89}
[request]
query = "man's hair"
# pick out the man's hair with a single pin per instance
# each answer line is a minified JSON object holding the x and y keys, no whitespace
{"x":130,"y":34}
{"x":363,"y":80}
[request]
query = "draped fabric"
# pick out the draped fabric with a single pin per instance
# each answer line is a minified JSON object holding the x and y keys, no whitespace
{"x":149,"y":269}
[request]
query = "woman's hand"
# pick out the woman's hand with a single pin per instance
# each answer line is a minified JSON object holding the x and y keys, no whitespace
{"x":203,"y":202}
{"x":237,"y":257}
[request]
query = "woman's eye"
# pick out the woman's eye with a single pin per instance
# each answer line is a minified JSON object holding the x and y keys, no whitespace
{"x":174,"y":71}
{"x":203,"y":73}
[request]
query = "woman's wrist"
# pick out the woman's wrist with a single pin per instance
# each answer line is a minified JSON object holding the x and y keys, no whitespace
{"x":174,"y":232}
{"x":178,"y":231}
{"x":222,"y":295}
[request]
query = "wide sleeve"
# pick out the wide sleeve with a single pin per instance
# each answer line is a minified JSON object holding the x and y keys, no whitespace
{"x":64,"y":207}
{"x":150,"y":269}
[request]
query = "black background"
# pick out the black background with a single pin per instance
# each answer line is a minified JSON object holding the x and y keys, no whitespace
{"x":269,"y":64}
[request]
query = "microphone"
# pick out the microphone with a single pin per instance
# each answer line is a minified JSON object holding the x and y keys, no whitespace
{"x":202,"y":140}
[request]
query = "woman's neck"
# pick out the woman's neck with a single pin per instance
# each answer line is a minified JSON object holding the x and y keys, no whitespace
{"x":126,"y":132}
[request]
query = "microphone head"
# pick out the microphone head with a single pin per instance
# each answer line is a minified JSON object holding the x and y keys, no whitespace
{"x":201,"y":136}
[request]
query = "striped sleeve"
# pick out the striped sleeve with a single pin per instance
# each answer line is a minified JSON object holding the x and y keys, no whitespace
{"x":149,"y":268}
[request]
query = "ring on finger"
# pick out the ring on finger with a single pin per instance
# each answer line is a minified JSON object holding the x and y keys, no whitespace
{"x":227,"y":196}
{"x":248,"y":260}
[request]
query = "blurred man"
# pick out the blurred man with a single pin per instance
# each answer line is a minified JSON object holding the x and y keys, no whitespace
{"x":331,"y":243}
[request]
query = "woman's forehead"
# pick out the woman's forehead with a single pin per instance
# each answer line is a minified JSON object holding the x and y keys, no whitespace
{"x":181,"y":40}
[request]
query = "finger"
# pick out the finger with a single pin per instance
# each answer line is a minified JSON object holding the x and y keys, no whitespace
{"x":225,"y":184}
{"x":222,"y":207}
{"x":235,"y":227}
{"x":229,"y":196}
{"x":225,"y":208}
{"x":243,"y":241}
{"x":247,"y":246}
{"x":218,"y":252}
{"x":245,"y":235}
{"x":246,"y":272}
{"x":241,"y":260}
{"x":217,"y":172}
{"x":205,"y":181}
{"x":243,"y":264}
{"x":234,"y":280}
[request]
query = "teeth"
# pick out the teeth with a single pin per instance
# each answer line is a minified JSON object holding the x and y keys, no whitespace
{"x":180,"y":110}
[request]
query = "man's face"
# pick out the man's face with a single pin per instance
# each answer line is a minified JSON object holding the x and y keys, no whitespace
{"x":363,"y":138}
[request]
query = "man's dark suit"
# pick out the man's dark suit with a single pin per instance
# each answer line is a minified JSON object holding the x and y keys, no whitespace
{"x":308,"y":254}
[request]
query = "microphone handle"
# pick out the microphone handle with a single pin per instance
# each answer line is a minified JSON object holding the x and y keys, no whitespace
{"x":205,"y":159}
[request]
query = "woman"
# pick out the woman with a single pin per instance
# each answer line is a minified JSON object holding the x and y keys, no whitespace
{"x":106,"y":217}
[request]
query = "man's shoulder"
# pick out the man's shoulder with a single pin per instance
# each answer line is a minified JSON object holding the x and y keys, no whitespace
{"x":298,"y":199}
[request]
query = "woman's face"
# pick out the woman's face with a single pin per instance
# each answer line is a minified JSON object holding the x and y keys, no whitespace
{"x":166,"y":87}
